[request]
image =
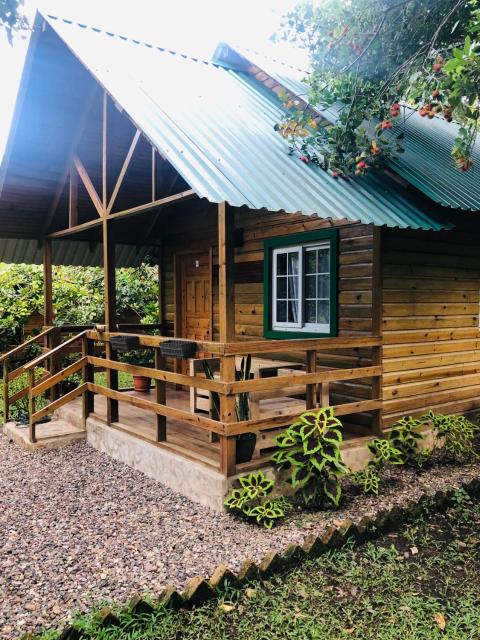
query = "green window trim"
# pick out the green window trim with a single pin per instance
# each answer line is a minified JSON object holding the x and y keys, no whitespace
{"x":292,"y":240}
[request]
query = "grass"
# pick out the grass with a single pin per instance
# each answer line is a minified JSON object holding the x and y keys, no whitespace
{"x":404,"y":586}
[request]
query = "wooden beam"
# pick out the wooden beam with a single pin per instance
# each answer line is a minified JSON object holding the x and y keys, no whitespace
{"x":110,"y":310}
{"x":226,"y":253}
{"x":47,"y":284}
{"x":92,"y":192}
{"x":154,"y":169}
{"x":73,"y":199}
{"x":184,"y":195}
{"x":228,"y":444}
{"x":75,"y":140}
{"x":124,"y":169}
{"x":104,"y":150}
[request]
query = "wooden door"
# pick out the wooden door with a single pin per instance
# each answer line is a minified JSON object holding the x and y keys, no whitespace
{"x":194,"y":273}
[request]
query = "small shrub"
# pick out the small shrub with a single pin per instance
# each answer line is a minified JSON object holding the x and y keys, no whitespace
{"x":405,"y":438}
{"x":252,"y":500}
{"x":383,"y":453}
{"x":311,"y":448}
{"x":457,"y":432}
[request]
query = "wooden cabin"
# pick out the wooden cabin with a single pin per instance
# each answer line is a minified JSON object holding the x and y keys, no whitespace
{"x":362,"y":294}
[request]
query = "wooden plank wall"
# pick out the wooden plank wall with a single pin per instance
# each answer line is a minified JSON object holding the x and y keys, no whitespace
{"x":356,"y":301}
{"x":430,"y":322}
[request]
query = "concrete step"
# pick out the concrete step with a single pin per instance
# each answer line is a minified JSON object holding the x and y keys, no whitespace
{"x":70,"y":413}
{"x":50,"y":435}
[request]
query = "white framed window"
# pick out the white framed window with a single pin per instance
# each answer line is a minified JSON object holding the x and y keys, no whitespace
{"x":300,"y":286}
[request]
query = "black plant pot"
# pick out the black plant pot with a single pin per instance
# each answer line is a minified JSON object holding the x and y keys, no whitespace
{"x":245,"y":447}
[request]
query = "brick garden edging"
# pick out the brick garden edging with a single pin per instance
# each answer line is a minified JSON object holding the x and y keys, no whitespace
{"x":199,"y":590}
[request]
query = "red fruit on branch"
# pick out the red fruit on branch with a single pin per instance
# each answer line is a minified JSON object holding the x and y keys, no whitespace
{"x":362,"y":165}
{"x":386,"y":124}
{"x":435,"y":93}
{"x":438,"y":64}
{"x":305,"y":159}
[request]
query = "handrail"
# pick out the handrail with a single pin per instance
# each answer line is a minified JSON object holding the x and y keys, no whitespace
{"x":54,"y":351}
{"x":25,"y":344}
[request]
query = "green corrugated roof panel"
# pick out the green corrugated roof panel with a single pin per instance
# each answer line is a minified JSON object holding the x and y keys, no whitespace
{"x":426,"y":164}
{"x":215,"y":126}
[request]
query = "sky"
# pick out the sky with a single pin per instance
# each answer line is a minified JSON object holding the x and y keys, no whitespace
{"x":188,"y":26}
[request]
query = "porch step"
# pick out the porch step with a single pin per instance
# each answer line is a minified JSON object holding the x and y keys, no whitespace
{"x":50,"y":435}
{"x":70,"y":413}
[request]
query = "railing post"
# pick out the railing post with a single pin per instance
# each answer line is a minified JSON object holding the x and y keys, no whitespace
{"x":377,"y":391}
{"x":31,"y":406}
{"x":6,"y":405}
{"x":52,"y":363}
{"x":311,"y":389}
{"x":88,"y":376}
{"x":228,"y":444}
{"x":160,"y":397}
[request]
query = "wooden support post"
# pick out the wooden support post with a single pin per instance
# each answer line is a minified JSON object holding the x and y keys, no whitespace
{"x":228,"y":444}
{"x":6,"y":405}
{"x":73,"y":199}
{"x":377,"y":391}
{"x":110,"y":307}
{"x":160,"y":289}
{"x":377,"y":326}
{"x":55,"y":339}
{"x":226,"y":255}
{"x":311,"y":389}
{"x":104,"y":150}
{"x":160,"y":397}
{"x":88,"y":349}
{"x":324,"y":400}
{"x":154,"y":171}
{"x":47,"y":283}
{"x":31,"y":406}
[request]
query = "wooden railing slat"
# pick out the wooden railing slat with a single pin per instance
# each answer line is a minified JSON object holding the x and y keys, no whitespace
{"x":169,"y":412}
{"x":25,"y":344}
{"x":53,"y":352}
{"x":56,"y":404}
{"x":157,"y":374}
{"x":58,"y":377}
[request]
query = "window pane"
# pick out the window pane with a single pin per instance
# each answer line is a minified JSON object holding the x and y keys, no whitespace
{"x":282,"y":287}
{"x":311,"y":261}
{"x":311,"y":287}
{"x":310,"y":311}
{"x":293,"y":263}
{"x":323,"y":260}
{"x":293,"y":311}
{"x":323,"y":286}
{"x":323,"y":312}
{"x":282,"y":264}
{"x":281,"y":311}
{"x":293,"y":282}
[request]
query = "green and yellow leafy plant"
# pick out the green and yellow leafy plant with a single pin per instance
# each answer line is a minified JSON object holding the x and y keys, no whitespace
{"x":405,"y":437}
{"x":252,"y":500}
{"x":456,"y":433}
{"x":383,"y":453}
{"x":311,"y":449}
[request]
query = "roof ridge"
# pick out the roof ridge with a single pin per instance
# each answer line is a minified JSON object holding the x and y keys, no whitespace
{"x":125,"y":38}
{"x":240,"y":48}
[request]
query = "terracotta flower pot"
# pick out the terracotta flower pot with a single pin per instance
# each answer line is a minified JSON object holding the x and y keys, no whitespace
{"x":141,"y":383}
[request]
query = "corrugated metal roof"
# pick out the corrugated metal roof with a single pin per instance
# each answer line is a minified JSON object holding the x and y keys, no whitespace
{"x":67,"y":252}
{"x":426,"y":163}
{"x":215,"y":125}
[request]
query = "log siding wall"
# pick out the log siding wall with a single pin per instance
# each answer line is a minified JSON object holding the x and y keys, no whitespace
{"x":431,"y":353}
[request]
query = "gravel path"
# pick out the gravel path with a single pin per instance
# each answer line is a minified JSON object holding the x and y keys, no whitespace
{"x":78,"y":527}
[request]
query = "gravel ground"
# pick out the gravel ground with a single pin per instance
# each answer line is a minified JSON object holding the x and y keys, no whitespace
{"x":78,"y":528}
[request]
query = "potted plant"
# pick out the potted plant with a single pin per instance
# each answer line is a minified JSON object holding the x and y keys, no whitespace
{"x":142,"y":358}
{"x":245,"y":441}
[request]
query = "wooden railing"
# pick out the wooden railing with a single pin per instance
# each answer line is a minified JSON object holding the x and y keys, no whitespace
{"x":312,"y":383}
{"x":315,"y":381}
{"x":9,"y":376}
